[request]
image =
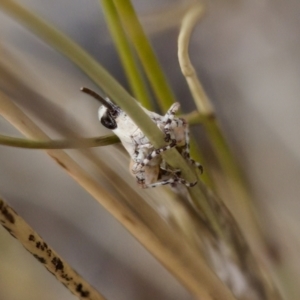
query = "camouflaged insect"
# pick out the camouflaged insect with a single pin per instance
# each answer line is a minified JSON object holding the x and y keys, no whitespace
{"x":147,"y":164}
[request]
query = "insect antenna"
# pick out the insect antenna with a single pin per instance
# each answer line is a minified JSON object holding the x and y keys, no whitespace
{"x":104,"y":102}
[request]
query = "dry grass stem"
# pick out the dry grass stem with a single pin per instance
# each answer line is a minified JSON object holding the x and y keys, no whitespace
{"x":31,"y":241}
{"x":188,"y":23}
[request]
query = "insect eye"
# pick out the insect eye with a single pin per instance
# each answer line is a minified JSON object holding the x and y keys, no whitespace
{"x":114,"y":113}
{"x":108,"y":121}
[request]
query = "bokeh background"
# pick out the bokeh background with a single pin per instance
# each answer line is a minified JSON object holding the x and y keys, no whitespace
{"x":247,"y":55}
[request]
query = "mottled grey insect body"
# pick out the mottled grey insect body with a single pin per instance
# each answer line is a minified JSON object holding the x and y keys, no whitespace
{"x":147,"y":164}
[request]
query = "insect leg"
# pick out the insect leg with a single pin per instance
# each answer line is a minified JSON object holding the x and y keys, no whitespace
{"x":139,"y":175}
{"x":186,"y":150}
{"x":171,"y":112}
{"x":168,"y":119}
{"x":171,"y":181}
{"x":157,"y":152}
{"x":146,"y":177}
{"x":160,"y":183}
{"x":141,"y":182}
{"x":188,"y":184}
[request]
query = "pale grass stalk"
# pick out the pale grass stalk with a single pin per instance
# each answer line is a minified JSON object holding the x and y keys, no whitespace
{"x":187,"y":265}
{"x":188,"y":23}
{"x":240,"y":203}
{"x":32,"y":242}
{"x":125,"y":51}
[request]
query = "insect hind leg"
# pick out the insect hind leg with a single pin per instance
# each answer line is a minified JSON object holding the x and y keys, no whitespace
{"x":170,"y":181}
{"x":186,"y":151}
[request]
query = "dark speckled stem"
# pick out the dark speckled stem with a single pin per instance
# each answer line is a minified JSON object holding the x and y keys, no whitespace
{"x":20,"y":230}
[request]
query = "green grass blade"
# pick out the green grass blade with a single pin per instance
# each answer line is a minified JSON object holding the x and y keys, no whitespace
{"x":146,"y":54}
{"x":59,"y":144}
{"x":126,"y":54}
